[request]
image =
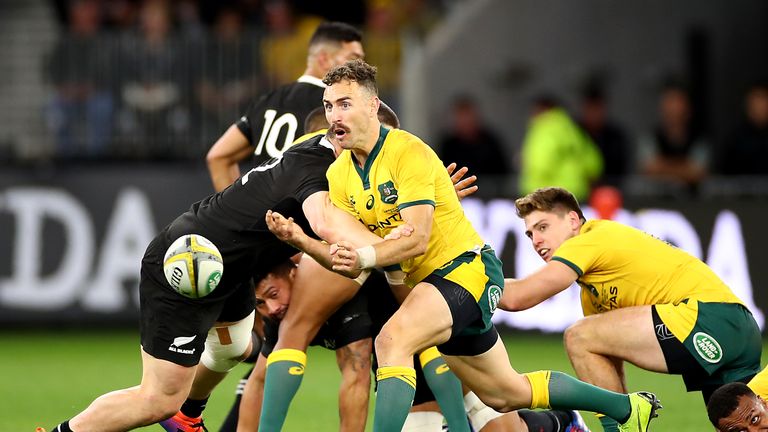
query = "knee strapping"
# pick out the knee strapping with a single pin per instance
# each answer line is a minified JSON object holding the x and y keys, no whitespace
{"x":479,"y":413}
{"x":225,"y":346}
{"x":423,"y":421}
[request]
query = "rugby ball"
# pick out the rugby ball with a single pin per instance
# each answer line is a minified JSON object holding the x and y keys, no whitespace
{"x":193,"y":266}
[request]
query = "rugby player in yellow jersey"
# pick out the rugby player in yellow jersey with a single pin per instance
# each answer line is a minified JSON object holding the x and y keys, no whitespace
{"x":644,"y":300}
{"x":737,"y":407}
{"x":387,"y":178}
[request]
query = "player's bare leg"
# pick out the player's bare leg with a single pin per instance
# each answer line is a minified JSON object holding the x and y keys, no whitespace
{"x":317,"y":294}
{"x":354,"y":362}
{"x":599,"y":344}
{"x":164,"y":386}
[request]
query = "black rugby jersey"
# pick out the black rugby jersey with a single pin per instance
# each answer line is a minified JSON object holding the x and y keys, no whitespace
{"x":274,"y":121}
{"x":234,"y":219}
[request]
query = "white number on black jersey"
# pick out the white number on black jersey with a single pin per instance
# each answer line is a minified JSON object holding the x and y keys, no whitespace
{"x":271,"y":131}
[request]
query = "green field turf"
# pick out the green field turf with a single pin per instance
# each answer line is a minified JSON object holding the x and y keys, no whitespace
{"x":47,"y":377}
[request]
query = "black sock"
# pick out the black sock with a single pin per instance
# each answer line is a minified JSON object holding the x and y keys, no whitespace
{"x":193,"y":408}
{"x":63,"y":427}
{"x":546,"y":421}
{"x":539,"y":421}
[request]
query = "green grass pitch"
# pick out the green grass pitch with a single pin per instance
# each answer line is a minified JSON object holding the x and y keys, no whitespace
{"x":47,"y":377}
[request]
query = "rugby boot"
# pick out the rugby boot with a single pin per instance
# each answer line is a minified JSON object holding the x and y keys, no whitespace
{"x":182,"y":423}
{"x":577,"y":423}
{"x":644,"y":406}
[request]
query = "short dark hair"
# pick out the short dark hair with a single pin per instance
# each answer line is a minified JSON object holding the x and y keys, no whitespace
{"x":315,"y":120}
{"x":354,"y":70}
{"x":387,"y":116}
{"x":725,"y":399}
{"x":335,"y":32}
{"x":547,"y":200}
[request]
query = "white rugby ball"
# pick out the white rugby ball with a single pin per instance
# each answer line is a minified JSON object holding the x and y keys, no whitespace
{"x":193,"y":266}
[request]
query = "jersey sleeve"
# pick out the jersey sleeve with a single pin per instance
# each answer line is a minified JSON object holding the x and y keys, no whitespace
{"x":252,"y":120}
{"x":415,"y":175}
{"x":312,"y":178}
{"x":580,"y":253}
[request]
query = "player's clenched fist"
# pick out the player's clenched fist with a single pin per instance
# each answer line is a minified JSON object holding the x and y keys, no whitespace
{"x":345,"y":259}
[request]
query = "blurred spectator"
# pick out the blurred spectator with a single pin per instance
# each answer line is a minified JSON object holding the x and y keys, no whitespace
{"x":678,"y":152}
{"x":609,"y":137}
{"x":120,"y":15}
{"x":80,"y":111}
{"x":471,"y":143}
{"x":154,"y":86}
{"x":228,"y":76}
{"x":187,"y":16}
{"x":382,"y":40}
{"x":557,"y":152}
{"x":746,"y":150}
{"x":284,"y":46}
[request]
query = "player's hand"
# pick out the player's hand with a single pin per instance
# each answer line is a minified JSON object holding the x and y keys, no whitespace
{"x":284,"y":229}
{"x":465,"y":187}
{"x":345,"y":259}
{"x":404,"y":230}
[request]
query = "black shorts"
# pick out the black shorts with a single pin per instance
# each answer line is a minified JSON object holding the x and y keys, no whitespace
{"x":350,"y":323}
{"x":466,"y":314}
{"x":174,"y":327}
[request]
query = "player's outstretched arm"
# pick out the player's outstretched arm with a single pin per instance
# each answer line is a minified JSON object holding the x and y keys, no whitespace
{"x":522,"y":294}
{"x":253,"y":396}
{"x":464,"y":186}
{"x":225,"y":155}
{"x":347,"y":257}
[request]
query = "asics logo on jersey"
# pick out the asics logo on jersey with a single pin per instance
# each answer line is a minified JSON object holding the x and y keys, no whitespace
{"x":369,"y":203}
{"x":180,"y":341}
{"x":388,"y":192}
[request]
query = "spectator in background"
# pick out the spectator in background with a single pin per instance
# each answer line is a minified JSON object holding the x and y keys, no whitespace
{"x":746,"y":150}
{"x":679,"y":154}
{"x":154,"y":87}
{"x":228,"y":76}
{"x":609,"y":137}
{"x":284,"y":46}
{"x":557,"y":152}
{"x":382,"y":34}
{"x":471,"y":143}
{"x":80,"y":111}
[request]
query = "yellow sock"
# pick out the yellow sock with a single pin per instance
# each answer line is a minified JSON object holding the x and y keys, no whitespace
{"x":539,"y":388}
{"x":405,"y":374}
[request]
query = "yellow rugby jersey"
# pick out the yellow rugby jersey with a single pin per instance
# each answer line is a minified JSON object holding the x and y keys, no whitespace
{"x":308,"y":136}
{"x":605,"y":256}
{"x":400,"y":172}
{"x":759,"y":384}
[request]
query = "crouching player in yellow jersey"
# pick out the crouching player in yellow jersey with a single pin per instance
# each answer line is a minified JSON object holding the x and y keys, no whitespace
{"x":644,"y":300}
{"x":389,"y":177}
{"x":737,"y":407}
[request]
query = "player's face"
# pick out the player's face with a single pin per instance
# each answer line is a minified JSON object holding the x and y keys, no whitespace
{"x":750,"y":415}
{"x":548,"y":230}
{"x":273,"y":295}
{"x":348,"y":51}
{"x":351,"y":113}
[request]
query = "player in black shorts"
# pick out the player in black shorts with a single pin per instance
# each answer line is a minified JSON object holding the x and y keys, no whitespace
{"x":174,"y":328}
{"x":272,"y":123}
{"x":347,"y":331}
